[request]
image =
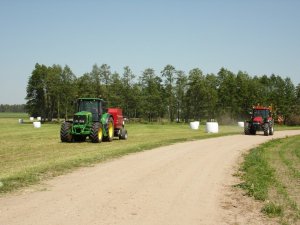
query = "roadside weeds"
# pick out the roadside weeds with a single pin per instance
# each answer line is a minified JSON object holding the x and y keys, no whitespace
{"x":270,"y":173}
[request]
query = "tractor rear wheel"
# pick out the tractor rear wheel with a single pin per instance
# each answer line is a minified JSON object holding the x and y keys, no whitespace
{"x":109,"y":128}
{"x":247,"y":130}
{"x":266,"y":129}
{"x":96,"y":133}
{"x":65,"y":132}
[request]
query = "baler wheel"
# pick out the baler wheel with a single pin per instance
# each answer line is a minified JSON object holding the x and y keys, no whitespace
{"x":123,"y":134}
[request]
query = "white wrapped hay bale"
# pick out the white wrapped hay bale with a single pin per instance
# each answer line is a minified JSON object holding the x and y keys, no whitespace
{"x":37,"y":124}
{"x":212,"y":127}
{"x":195,"y":125}
{"x":241,"y":124}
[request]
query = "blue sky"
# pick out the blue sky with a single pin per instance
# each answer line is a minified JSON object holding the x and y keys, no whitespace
{"x":259,"y":37}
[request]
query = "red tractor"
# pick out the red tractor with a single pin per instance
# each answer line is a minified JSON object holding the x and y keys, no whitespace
{"x":261,"y":120}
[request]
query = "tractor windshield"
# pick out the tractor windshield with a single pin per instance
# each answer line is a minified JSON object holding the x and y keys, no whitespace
{"x":89,"y":106}
{"x":264,"y":113}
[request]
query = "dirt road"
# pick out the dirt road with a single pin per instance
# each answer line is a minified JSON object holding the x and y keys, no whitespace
{"x":184,"y":184}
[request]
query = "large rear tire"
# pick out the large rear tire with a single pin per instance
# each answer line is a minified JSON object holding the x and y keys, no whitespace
{"x":65,"y":132}
{"x":96,"y":133}
{"x":247,"y":130}
{"x":109,"y":128}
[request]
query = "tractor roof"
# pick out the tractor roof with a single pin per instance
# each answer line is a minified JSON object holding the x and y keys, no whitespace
{"x":90,"y":99}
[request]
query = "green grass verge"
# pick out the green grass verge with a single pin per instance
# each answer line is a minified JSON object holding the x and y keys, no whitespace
{"x":29,"y":155}
{"x":271,"y":173}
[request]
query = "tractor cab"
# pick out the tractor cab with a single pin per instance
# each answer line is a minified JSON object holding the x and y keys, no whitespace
{"x":264,"y":113}
{"x":95,"y":106}
{"x":260,"y":114}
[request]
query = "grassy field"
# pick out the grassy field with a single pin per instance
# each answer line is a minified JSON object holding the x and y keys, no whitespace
{"x":271,"y":173}
{"x":30,"y":154}
{"x":13,"y":115}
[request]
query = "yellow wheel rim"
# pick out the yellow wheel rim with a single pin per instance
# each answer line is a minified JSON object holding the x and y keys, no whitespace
{"x":110,"y":129}
{"x":100,"y":133}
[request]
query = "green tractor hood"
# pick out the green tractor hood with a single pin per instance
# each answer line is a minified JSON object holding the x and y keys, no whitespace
{"x":82,"y":123}
{"x":83,"y":113}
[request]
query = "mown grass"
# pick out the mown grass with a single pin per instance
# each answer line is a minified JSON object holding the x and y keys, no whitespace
{"x":29,"y":155}
{"x":271,"y":173}
{"x":13,"y":115}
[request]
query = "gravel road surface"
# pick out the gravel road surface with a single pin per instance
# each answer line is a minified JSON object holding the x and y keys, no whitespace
{"x":187,"y":183}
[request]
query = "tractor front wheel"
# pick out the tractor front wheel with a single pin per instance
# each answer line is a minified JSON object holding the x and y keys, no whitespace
{"x":65,"y":132}
{"x":266,"y":129}
{"x":271,"y":131}
{"x":96,"y":133}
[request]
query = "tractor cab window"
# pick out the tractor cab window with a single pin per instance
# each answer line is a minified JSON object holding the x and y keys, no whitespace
{"x":90,"y":106}
{"x":261,"y":113}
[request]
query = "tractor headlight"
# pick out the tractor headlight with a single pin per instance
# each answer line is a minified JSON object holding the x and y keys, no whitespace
{"x":79,"y":119}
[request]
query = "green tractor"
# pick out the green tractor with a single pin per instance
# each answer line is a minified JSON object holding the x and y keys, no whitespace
{"x":95,"y":121}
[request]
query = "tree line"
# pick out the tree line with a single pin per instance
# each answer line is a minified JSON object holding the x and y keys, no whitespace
{"x":16,"y":108}
{"x":170,"y":94}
